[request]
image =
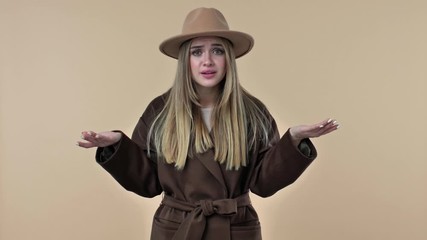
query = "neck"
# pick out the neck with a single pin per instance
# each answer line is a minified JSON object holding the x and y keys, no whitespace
{"x":207,"y":97}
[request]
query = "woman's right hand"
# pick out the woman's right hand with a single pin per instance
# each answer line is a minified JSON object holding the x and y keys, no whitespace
{"x":92,"y":139}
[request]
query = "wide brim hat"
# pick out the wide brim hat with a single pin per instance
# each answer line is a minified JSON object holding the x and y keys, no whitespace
{"x":207,"y":22}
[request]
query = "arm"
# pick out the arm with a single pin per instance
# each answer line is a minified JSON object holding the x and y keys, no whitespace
{"x":126,"y":159}
{"x":284,"y":160}
{"x":131,"y":167}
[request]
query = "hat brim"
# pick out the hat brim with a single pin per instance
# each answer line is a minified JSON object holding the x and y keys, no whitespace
{"x":242,"y":42}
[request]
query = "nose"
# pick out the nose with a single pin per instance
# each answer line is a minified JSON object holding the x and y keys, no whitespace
{"x":207,"y":60}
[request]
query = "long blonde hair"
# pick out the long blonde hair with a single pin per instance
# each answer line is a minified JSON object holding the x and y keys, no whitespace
{"x":239,"y":120}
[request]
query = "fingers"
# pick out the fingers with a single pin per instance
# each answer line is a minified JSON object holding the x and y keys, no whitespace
{"x":85,"y":144}
{"x":90,"y":139}
{"x":316,"y":130}
{"x":88,"y":135}
{"x":320,"y":127}
{"x":328,"y":123}
{"x":328,"y":126}
{"x":101,"y":139}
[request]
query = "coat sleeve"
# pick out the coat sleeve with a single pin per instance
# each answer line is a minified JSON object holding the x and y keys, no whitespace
{"x":128,"y":161}
{"x":280,"y":163}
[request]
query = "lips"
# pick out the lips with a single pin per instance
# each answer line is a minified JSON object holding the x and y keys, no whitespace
{"x":208,"y":74}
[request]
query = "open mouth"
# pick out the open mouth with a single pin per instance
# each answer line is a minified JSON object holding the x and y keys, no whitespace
{"x":208,"y":74}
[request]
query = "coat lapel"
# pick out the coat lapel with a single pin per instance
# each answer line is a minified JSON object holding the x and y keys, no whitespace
{"x":207,"y":159}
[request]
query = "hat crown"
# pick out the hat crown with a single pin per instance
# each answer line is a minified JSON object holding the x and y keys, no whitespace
{"x":203,"y":20}
{"x":207,"y":22}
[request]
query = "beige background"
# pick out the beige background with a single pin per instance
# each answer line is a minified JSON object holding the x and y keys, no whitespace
{"x":73,"y":65}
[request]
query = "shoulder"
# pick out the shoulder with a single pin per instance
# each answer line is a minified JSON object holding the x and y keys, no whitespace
{"x":255,"y":106}
{"x":155,"y":106}
{"x":159,"y":101}
{"x":257,"y":102}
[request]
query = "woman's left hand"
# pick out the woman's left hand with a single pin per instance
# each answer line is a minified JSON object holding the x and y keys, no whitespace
{"x":298,"y":133}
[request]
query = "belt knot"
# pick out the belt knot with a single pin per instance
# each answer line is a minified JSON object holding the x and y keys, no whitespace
{"x":221,"y":207}
{"x":193,"y":226}
{"x":207,"y":207}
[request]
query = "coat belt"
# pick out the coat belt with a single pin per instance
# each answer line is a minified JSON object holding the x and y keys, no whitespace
{"x":194,"y":225}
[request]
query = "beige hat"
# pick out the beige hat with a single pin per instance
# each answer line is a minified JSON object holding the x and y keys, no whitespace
{"x":207,"y":22}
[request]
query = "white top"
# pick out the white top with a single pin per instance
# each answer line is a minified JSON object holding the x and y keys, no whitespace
{"x":206,"y":114}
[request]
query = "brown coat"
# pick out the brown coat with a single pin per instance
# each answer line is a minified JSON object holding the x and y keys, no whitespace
{"x":204,"y":199}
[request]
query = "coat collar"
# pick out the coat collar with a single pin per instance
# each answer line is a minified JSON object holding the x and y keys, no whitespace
{"x":214,"y":167}
{"x":207,"y":158}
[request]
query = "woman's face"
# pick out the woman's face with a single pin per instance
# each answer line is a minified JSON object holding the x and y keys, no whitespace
{"x":207,"y":62}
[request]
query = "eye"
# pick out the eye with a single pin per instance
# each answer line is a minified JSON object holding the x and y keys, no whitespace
{"x":196,"y":52}
{"x":218,"y":51}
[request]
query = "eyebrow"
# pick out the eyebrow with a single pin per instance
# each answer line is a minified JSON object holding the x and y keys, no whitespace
{"x":213,"y":45}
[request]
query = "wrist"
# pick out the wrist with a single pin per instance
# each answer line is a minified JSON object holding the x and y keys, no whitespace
{"x":295,"y":140}
{"x":117,"y":136}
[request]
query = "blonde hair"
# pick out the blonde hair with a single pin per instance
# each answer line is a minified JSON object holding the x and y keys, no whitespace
{"x":239,"y":120}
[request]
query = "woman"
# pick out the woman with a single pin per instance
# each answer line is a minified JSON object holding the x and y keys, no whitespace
{"x":206,"y":142}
